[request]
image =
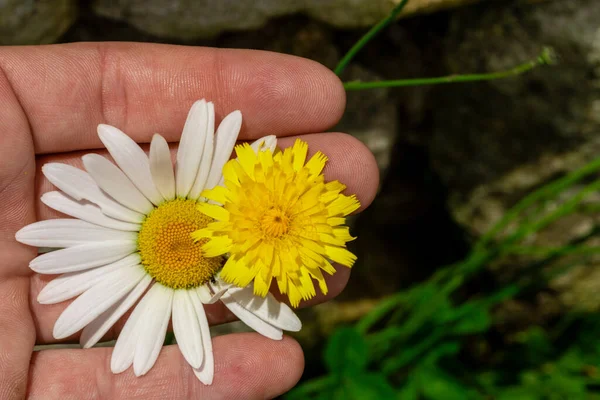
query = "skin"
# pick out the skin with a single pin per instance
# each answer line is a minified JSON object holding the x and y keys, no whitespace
{"x":51,"y":100}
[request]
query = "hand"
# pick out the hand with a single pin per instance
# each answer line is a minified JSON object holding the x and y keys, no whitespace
{"x":52,"y":98}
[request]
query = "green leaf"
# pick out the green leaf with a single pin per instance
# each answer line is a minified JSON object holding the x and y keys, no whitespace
{"x":478,"y":320}
{"x":346,"y":352}
{"x":519,"y":393}
{"x":437,"y":385}
{"x":410,"y":391}
{"x":442,"y":350}
{"x":369,"y":386}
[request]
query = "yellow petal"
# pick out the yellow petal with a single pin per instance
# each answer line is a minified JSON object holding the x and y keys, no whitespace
{"x":218,"y":194}
{"x":217,"y":246}
{"x":316,"y":163}
{"x":340,"y":255}
{"x":299,"y":151}
{"x":214,"y":211}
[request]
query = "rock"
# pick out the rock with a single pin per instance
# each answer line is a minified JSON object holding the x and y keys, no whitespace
{"x":35,"y":22}
{"x":492,"y":143}
{"x":189,"y":19}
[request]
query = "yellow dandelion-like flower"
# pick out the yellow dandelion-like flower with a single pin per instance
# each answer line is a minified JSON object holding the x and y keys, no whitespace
{"x":278,"y":219}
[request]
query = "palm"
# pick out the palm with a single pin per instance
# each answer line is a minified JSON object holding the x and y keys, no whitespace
{"x":52,"y":98}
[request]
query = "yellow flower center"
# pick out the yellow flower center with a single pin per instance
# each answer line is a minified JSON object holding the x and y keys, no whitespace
{"x":274,"y":223}
{"x":168,"y":252}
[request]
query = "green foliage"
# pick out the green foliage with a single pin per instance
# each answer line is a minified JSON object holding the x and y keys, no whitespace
{"x":417,"y":344}
{"x":346,"y":352}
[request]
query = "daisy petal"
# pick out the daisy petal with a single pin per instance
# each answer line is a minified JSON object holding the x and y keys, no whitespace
{"x":250,"y":319}
{"x":265,"y":143}
{"x":114,"y":182}
{"x":268,"y":308}
{"x":225,"y":139}
{"x":96,"y":300}
{"x":191,"y":147}
{"x":207,"y":156}
{"x":208,"y":297}
{"x":131,"y":159}
{"x":162,"y":167}
{"x":186,"y":328}
{"x":82,"y":257}
{"x":94,"y":331}
{"x":79,"y":185}
{"x":85,"y":211}
{"x":66,"y":232}
{"x":73,"y":284}
{"x":124,"y":350}
{"x":153,"y":328}
{"x":206,"y":371}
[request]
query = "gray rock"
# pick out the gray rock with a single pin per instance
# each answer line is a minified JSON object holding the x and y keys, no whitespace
{"x":494,"y":142}
{"x":35,"y":22}
{"x":189,"y":19}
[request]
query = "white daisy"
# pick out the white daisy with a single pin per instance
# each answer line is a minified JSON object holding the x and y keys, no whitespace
{"x":131,"y":239}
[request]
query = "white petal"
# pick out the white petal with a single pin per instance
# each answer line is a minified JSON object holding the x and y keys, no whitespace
{"x":204,"y":294}
{"x":83,"y":256}
{"x":85,"y":211}
{"x":67,"y":232}
{"x":187,"y":329}
{"x":96,"y":300}
{"x":265,"y":143}
{"x":207,"y":156}
{"x":206,"y":371}
{"x":212,"y":295}
{"x":153,"y":326}
{"x":124,"y":350}
{"x":162,"y":167}
{"x":94,"y":331}
{"x":73,"y":284}
{"x":131,"y":159}
{"x":114,"y":182}
{"x":225,"y":139}
{"x":79,"y":185}
{"x":191,"y":147}
{"x":250,"y":319}
{"x":268,"y":308}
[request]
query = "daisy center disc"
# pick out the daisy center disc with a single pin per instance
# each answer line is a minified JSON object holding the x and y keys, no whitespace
{"x":168,"y":252}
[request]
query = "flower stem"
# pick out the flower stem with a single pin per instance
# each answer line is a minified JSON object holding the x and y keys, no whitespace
{"x":545,"y":58}
{"x":367,"y":37}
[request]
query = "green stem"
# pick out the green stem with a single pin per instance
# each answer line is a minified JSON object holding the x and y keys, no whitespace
{"x":551,"y":251}
{"x":380,"y":310}
{"x":564,"y":209}
{"x":547,"y":191}
{"x":546,"y":57}
{"x":367,"y":37}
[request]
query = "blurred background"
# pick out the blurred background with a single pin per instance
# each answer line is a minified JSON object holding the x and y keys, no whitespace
{"x":438,"y":306}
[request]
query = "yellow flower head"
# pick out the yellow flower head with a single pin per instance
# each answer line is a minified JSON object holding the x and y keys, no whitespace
{"x":279,"y":219}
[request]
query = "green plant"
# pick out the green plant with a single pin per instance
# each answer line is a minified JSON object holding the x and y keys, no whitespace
{"x":415,"y":344}
{"x":411,"y":345}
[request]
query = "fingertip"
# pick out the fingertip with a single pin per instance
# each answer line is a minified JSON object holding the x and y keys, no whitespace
{"x":290,"y":369}
{"x":332,"y":102}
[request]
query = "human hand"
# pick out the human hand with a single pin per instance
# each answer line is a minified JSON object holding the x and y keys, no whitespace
{"x":52,"y":99}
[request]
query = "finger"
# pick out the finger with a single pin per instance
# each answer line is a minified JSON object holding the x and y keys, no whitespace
{"x":349,"y":161}
{"x":247,"y":366}
{"x":16,"y":196}
{"x":146,"y":88}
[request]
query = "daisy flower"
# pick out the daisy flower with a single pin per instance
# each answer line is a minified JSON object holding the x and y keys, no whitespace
{"x":130,"y":239}
{"x":279,"y":220}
